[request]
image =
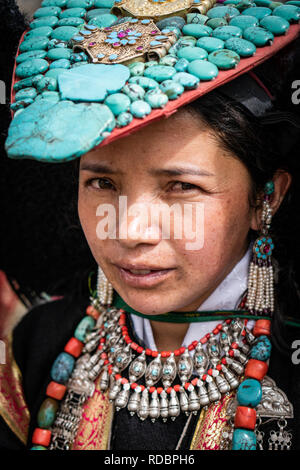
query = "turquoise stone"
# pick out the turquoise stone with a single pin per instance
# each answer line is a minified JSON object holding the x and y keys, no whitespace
{"x":44,"y":21}
{"x":210,"y":44}
{"x":78,"y":64}
{"x":226,"y":32}
{"x":140,"y":108}
{"x":181,"y":65}
{"x":274,"y":5}
{"x":78,"y":57}
{"x":290,"y":13}
{"x":216,"y":22}
{"x":172,"y":89}
{"x":47,"y":11}
{"x":258,"y":12}
{"x":134,"y":91}
{"x":243,"y":439}
{"x":196,"y":18}
{"x":222,"y":11}
{"x":64,"y":33}
{"x":35,"y":43}
{"x":293,"y":2}
{"x":259,"y":36}
{"x":123,"y":119}
{"x":156,"y":98}
{"x":47,"y":412}
{"x":96,"y":12}
{"x":168,"y":60}
{"x":176,"y":21}
{"x":192,"y":53}
{"x":118,"y":103}
{"x":84,"y":327}
{"x":149,"y":64}
{"x":38,"y":448}
{"x":144,"y":82}
{"x":275,"y":25}
{"x":20,"y":104}
{"x":187,"y":80}
{"x":60,"y":53}
{"x":44,"y":31}
{"x":45,"y":132}
{"x":56,"y":43}
{"x":203,"y":69}
{"x":136,"y":69}
{"x":45,"y":84}
{"x":197,"y":30}
{"x":31,"y":67}
{"x":52,"y":96}
{"x":224,"y":59}
{"x":29,"y":92}
{"x":103,"y":21}
{"x":50,"y":3}
{"x":242,"y":47}
{"x":73,"y":12}
{"x":262,"y":349}
{"x":80,"y":3}
{"x":263,"y":3}
{"x":54,"y":73}
{"x":60,"y":64}
{"x":38,"y":54}
{"x":64,"y":363}
{"x":185,"y":41}
{"x":104,"y":3}
{"x":26,"y":82}
{"x":73,"y":21}
{"x":244,"y":4}
{"x":244,"y":21}
{"x":249,"y":393}
{"x":92,"y":82}
{"x":160,"y":72}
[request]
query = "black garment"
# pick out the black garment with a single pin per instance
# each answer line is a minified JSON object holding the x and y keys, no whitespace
{"x":42,"y":335}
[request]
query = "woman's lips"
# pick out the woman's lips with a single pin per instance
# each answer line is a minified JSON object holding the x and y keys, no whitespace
{"x":143,"y":277}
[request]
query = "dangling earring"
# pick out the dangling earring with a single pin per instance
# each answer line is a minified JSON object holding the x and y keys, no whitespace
{"x":104,"y":289}
{"x":260,"y":296}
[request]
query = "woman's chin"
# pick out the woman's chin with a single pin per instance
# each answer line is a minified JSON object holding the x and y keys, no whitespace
{"x":152,"y":304}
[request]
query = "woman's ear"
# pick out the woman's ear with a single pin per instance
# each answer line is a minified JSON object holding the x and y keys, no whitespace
{"x":282,"y":181}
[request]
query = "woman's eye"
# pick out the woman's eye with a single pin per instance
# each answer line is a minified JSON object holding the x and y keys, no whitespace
{"x":181,"y":186}
{"x":101,"y":183}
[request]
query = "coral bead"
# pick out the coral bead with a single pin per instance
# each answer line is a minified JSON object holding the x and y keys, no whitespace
{"x":56,"y":390}
{"x":74,"y":347}
{"x":245,"y":417}
{"x":256,"y":369}
{"x":262,"y":327}
{"x":41,"y":437}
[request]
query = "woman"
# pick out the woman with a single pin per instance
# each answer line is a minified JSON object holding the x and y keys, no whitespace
{"x":174,"y":215}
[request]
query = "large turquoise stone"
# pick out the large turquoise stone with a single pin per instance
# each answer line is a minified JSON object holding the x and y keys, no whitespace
{"x":258,"y":12}
{"x":92,"y":82}
{"x":50,"y":3}
{"x":44,"y":31}
{"x":64,"y":363}
{"x":118,"y":103}
{"x":243,"y":439}
{"x":57,"y":132}
{"x":60,"y":53}
{"x":134,"y":91}
{"x":31,"y":67}
{"x":47,"y":412}
{"x":187,"y":80}
{"x":176,"y":21}
{"x":103,"y":21}
{"x":38,"y":54}
{"x":290,"y":13}
{"x":160,"y":72}
{"x":34,"y":43}
{"x":73,"y":12}
{"x":140,"y":108}
{"x":144,"y":82}
{"x":259,"y":36}
{"x":275,"y":24}
{"x":44,"y":21}
{"x":244,"y":21}
{"x":249,"y":393}
{"x":84,"y":327}
{"x":156,"y":98}
{"x":60,"y":63}
{"x":64,"y":33}
{"x":216,"y":22}
{"x":29,"y":92}
{"x":197,"y":30}
{"x":226,"y":32}
{"x":47,"y":11}
{"x":262,"y":349}
{"x":172,"y":89}
{"x":192,"y":53}
{"x":54,"y":73}
{"x":222,"y":11}
{"x":242,"y":47}
{"x":203,"y":69}
{"x":224,"y":59}
{"x":210,"y":44}
{"x":73,"y":21}
{"x":80,"y":3}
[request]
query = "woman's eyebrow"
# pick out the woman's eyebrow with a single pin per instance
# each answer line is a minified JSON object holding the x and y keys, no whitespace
{"x":99,"y":168}
{"x":178,"y":171}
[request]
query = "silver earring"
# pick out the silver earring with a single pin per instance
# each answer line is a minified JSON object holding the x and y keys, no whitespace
{"x":260,"y":296}
{"x":104,"y":289}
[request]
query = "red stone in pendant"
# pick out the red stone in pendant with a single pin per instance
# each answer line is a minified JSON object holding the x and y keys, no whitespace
{"x":245,"y":417}
{"x":41,"y":437}
{"x":56,"y":390}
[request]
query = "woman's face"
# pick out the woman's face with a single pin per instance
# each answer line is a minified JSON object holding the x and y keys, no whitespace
{"x":155,"y":266}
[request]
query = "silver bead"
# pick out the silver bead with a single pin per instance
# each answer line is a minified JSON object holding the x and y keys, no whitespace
{"x":164,"y":405}
{"x":137,"y":368}
{"x":194,"y":402}
{"x":222,"y":384}
{"x":240,"y":356}
{"x":114,"y":390}
{"x":184,"y":401}
{"x":143,"y":410}
{"x":154,"y":409}
{"x":200,"y":360}
{"x":104,"y":382}
{"x":203,"y":395}
{"x":213,"y":392}
{"x":230,"y":377}
{"x":235,"y":366}
{"x":122,"y":397}
{"x":174,"y":408}
{"x":185,"y":366}
{"x":134,"y":402}
{"x":169,"y":371}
